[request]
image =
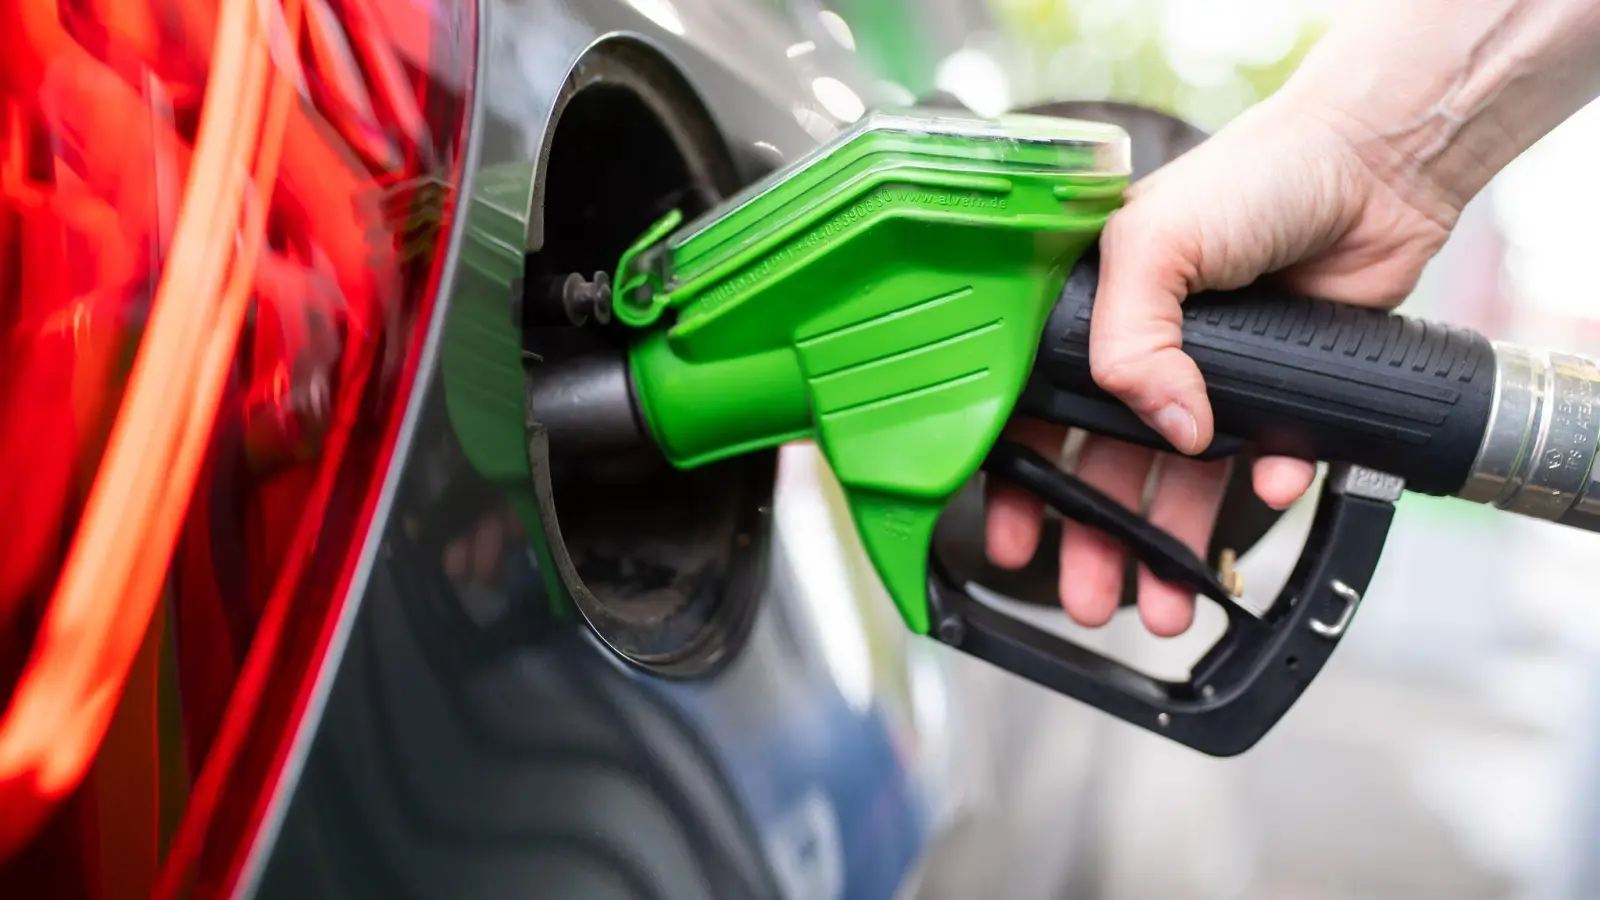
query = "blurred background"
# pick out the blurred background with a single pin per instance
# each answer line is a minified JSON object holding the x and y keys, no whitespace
{"x":1449,"y":749}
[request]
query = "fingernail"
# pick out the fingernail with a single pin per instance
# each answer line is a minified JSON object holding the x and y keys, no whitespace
{"x":1177,"y":426}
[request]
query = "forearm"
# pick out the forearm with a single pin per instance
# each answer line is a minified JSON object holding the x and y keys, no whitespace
{"x":1444,"y":93}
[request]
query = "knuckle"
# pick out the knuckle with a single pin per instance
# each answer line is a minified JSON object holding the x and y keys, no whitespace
{"x":1116,"y":370}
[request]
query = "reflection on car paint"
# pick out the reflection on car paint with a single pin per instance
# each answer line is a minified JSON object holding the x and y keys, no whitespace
{"x":475,"y":745}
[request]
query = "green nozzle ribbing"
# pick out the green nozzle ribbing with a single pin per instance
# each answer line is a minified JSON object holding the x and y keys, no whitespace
{"x":885,"y":296}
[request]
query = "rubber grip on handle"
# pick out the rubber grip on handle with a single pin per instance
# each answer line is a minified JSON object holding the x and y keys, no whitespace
{"x":1295,"y":376}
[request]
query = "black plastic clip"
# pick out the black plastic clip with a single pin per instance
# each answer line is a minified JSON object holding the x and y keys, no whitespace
{"x":1254,"y":673}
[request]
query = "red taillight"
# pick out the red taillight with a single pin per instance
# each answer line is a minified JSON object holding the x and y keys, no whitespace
{"x":221,"y":229}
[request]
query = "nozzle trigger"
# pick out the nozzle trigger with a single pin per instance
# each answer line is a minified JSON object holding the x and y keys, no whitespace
{"x":1165,"y":556}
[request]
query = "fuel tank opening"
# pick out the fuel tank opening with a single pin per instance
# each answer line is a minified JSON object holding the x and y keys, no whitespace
{"x":665,"y":566}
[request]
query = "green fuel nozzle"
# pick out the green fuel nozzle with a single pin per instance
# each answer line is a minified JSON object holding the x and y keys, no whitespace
{"x":884,"y":296}
{"x":904,"y":290}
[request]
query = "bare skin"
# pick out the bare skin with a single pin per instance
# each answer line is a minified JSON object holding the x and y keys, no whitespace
{"x":1343,"y":184}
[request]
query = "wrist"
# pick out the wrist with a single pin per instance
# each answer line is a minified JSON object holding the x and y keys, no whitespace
{"x":1437,"y":97}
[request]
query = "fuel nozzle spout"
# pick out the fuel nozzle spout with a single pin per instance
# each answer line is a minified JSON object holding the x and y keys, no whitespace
{"x":586,"y":406}
{"x":1538,"y":453}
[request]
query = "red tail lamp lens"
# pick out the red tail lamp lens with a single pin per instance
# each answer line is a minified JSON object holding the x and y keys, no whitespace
{"x":222,"y":226}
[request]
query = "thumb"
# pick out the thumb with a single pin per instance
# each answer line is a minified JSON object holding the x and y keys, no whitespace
{"x":1149,"y":264}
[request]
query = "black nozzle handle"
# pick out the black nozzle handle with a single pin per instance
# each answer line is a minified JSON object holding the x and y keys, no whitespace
{"x":1296,"y":376}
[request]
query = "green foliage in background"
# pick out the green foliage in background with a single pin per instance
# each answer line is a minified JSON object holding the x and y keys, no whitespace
{"x":1205,"y":60}
{"x":1065,"y":49}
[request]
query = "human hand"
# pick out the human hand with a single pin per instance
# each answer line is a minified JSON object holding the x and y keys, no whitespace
{"x":1291,"y":188}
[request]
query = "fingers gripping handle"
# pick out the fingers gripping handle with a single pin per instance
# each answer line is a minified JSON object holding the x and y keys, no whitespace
{"x":1389,"y":401}
{"x":1250,"y":677}
{"x":1295,"y":376}
{"x":1386,"y":399}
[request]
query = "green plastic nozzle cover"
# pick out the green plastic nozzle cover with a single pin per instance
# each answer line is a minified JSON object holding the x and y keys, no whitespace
{"x":884,"y":296}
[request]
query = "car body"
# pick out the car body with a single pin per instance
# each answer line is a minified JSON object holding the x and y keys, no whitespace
{"x":454,"y":717}
{"x":830,"y":757}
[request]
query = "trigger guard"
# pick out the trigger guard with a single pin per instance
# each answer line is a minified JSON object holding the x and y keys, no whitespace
{"x":1255,"y":672}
